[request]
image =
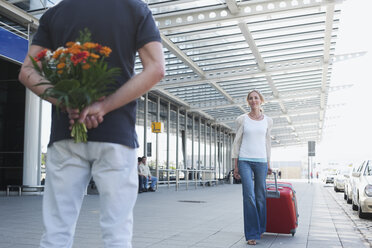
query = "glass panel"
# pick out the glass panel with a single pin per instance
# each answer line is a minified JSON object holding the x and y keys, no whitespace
{"x":173,"y":141}
{"x":189,"y":145}
{"x":151,"y":137}
{"x":12,"y":113}
{"x":202,"y":147}
{"x":196,"y":144}
{"x":368,"y":171}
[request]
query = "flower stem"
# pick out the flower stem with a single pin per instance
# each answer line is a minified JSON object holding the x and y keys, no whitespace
{"x":79,"y":132}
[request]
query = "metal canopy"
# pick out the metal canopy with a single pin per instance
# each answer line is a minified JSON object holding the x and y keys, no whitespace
{"x":218,"y":50}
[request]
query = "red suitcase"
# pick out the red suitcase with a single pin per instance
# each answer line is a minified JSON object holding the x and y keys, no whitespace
{"x":281,"y":205}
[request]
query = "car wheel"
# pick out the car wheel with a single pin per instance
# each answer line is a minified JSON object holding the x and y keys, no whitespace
{"x":354,"y":206}
{"x":361,"y":214}
{"x":348,"y":200}
{"x":336,"y":189}
{"x":345,"y":196}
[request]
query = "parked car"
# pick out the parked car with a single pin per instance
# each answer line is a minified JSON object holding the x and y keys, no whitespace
{"x":352,"y":182}
{"x":339,"y":181}
{"x":173,"y":175}
{"x":329,"y":177}
{"x":362,"y":189}
{"x":348,"y":193}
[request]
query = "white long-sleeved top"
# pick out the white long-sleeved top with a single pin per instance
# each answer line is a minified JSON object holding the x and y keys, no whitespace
{"x":240,"y":122}
{"x":144,"y":170}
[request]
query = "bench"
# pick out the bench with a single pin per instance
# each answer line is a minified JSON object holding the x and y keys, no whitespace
{"x":18,"y":187}
{"x":33,"y":188}
{"x":24,"y":188}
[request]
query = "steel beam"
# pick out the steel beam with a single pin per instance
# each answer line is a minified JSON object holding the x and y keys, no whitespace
{"x":181,"y":55}
{"x":243,"y":72}
{"x":18,"y":15}
{"x":220,"y":13}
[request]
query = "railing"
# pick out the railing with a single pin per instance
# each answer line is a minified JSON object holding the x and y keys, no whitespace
{"x":14,"y":30}
{"x":187,"y":177}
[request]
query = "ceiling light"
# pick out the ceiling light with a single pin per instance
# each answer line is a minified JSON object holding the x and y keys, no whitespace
{"x":270,"y":6}
{"x":282,"y":4}
{"x":259,"y":8}
{"x":294,"y":3}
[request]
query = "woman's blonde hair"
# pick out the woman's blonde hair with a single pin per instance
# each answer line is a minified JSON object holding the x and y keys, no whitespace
{"x":259,"y":94}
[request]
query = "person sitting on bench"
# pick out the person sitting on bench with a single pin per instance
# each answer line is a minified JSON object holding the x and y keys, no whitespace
{"x":141,"y":178}
{"x":145,"y":170}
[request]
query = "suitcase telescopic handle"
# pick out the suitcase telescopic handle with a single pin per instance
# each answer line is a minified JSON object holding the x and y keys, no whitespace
{"x":276,"y":193}
{"x":276,"y":181}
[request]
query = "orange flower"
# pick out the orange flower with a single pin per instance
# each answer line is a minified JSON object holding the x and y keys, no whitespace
{"x":86,"y":66}
{"x":60,"y":71}
{"x":77,"y":45}
{"x":94,"y":56}
{"x":61,"y":65}
{"x":70,"y":44}
{"x":89,"y":45}
{"x":57,"y":53}
{"x":105,"y":51}
{"x":73,"y":50}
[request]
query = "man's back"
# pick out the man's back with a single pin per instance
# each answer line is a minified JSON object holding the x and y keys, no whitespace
{"x":124,"y":26}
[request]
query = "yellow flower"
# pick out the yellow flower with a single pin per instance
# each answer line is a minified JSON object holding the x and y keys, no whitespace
{"x":86,"y":66}
{"x":60,"y":71}
{"x":61,"y":65}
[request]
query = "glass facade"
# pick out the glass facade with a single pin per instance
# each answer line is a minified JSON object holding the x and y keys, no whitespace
{"x":189,"y":148}
{"x":12,"y":114}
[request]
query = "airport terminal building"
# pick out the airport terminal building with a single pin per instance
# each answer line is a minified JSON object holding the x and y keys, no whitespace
{"x":216,"y":52}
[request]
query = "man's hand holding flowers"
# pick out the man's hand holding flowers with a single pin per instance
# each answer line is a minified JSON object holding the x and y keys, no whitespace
{"x":91,"y":116}
{"x":76,"y":78}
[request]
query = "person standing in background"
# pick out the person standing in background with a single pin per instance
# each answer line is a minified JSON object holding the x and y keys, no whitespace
{"x":251,"y":153}
{"x":109,"y":155}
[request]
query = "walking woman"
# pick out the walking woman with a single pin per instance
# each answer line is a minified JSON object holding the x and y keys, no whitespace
{"x":251,"y":152}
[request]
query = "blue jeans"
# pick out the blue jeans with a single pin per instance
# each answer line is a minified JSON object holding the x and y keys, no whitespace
{"x":141,"y":180}
{"x":254,"y":197}
{"x":153,"y":182}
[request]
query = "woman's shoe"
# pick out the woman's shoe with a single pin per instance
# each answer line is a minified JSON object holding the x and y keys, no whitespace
{"x":251,"y":242}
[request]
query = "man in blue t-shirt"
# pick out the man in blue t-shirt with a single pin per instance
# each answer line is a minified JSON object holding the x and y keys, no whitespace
{"x":109,"y":155}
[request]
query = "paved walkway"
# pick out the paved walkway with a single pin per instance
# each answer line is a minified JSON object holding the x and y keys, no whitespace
{"x":203,"y":218}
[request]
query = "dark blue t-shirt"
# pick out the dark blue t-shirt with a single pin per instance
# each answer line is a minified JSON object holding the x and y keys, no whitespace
{"x":124,"y":26}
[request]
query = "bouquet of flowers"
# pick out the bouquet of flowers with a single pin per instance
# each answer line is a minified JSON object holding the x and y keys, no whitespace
{"x":78,"y":75}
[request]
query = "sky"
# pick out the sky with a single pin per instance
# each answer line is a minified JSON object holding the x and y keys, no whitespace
{"x":347,"y":134}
